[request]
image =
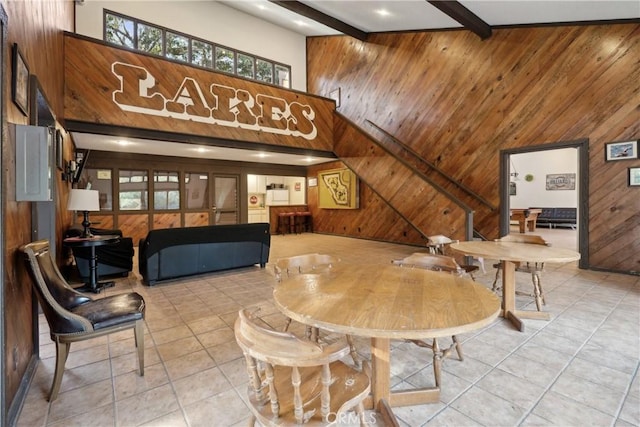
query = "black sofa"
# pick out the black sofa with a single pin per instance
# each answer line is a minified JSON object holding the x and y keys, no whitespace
{"x":562,"y":217}
{"x":113,"y":260}
{"x":176,"y":252}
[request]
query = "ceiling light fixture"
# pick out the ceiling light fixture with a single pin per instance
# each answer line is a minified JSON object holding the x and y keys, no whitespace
{"x":301,"y":23}
{"x":122,"y":142}
{"x":383,"y":12}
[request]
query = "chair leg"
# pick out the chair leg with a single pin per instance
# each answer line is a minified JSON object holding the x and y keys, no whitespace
{"x":62,"y":351}
{"x":139,"y":337}
{"x":354,"y":353}
{"x":458,"y":347}
{"x":437,"y":362}
{"x":537,"y":290}
{"x":494,"y":286}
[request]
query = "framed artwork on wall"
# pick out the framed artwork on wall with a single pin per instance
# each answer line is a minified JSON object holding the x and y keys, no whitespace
{"x":561,"y":181}
{"x":621,"y":150}
{"x":634,"y":177}
{"x":20,"y":81}
{"x":338,"y":189}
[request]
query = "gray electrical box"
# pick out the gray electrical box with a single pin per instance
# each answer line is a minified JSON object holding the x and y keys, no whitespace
{"x":34,"y":160}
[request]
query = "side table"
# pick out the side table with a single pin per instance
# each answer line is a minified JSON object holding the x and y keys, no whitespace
{"x":92,"y":242}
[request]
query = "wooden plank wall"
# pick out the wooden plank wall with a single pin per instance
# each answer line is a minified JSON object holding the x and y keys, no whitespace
{"x":458,"y":101}
{"x":37,"y":27}
{"x":92,"y":71}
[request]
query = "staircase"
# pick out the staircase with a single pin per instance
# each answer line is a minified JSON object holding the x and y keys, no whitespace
{"x":424,"y":203}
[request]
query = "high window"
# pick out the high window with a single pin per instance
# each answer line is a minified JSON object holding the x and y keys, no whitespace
{"x":135,"y":34}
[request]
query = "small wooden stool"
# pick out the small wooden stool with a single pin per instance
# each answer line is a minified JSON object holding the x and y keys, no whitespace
{"x":286,"y":222}
{"x":303,"y":222}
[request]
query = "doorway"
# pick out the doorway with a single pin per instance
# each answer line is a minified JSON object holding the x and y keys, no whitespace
{"x":225,"y":207}
{"x":509,"y":185}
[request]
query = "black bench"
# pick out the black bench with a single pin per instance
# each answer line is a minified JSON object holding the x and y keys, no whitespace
{"x":561,"y":217}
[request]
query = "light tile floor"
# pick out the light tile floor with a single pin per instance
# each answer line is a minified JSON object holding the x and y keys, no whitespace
{"x":580,"y":368}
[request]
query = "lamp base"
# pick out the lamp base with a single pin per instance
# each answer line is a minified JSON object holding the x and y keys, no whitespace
{"x":86,"y":233}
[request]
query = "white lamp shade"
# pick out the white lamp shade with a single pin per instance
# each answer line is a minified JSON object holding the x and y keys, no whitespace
{"x":84,"y":200}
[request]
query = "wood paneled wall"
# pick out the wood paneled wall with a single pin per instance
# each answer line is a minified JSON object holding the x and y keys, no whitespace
{"x":458,"y":101}
{"x":37,"y":27}
{"x":98,"y":75}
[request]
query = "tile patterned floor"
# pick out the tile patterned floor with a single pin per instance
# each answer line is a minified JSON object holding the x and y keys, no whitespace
{"x":580,"y":368}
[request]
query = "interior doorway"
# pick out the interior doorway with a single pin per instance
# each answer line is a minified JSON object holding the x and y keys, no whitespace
{"x":532,"y":186}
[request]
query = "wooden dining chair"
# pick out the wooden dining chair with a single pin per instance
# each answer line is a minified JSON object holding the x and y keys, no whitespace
{"x":316,"y":263}
{"x":533,"y":268}
{"x":74,"y":317}
{"x":294,"y":381}
{"x":439,"y":244}
{"x":444,"y":264}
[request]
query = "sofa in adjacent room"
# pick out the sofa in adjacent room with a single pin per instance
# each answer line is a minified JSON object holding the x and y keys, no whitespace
{"x":557,"y":217}
{"x":176,"y":252}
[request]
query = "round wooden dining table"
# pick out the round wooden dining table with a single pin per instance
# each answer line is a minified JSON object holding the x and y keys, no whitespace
{"x":508,"y":253}
{"x":387,"y":302}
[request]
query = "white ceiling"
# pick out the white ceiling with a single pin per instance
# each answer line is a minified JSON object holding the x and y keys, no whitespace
{"x":402,"y":15}
{"x":166,"y":148}
{"x":407,"y":15}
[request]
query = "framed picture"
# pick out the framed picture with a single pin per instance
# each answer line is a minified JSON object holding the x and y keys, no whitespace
{"x":634,"y":177}
{"x":335,"y":95}
{"x":59,"y":149}
{"x":20,"y":81}
{"x":338,"y":189}
{"x":313,"y":182}
{"x":621,"y":150}
{"x":512,"y":188}
{"x":561,"y":181}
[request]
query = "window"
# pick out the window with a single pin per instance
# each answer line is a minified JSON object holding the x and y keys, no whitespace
{"x":177,"y":47}
{"x":133,"y":190}
{"x":166,"y":190}
{"x":264,"y":71}
{"x":245,"y":66}
{"x":150,"y":39}
{"x":225,"y":60}
{"x":119,"y":30}
{"x":100,"y":179}
{"x":201,"y":54}
{"x":135,"y":34}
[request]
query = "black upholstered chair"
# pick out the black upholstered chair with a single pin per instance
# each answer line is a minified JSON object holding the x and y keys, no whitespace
{"x":73,"y":316}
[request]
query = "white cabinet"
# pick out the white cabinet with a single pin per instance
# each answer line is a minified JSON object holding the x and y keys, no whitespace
{"x":277,"y":197}
{"x":257,"y":215}
{"x":256,"y":183}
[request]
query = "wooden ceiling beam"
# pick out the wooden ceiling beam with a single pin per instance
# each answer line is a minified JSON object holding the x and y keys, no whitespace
{"x":322,"y":18}
{"x":464,"y":16}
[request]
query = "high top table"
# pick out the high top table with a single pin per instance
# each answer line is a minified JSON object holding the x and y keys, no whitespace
{"x":508,"y":253}
{"x":92,"y":242}
{"x":387,"y":302}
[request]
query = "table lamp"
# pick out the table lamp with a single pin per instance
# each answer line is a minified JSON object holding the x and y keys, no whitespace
{"x":84,"y":201}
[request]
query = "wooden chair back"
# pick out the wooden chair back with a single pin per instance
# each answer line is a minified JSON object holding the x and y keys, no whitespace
{"x":294,"y":381}
{"x":524,"y":238}
{"x":300,"y":264}
{"x":431,"y":262}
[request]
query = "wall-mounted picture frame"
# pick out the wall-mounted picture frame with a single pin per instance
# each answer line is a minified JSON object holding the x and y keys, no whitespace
{"x":59,"y":149}
{"x":338,"y":189}
{"x":561,"y":181}
{"x":512,"y":189}
{"x":621,"y":150}
{"x":335,"y":95}
{"x":20,"y":81}
{"x":634,"y":177}
{"x":313,"y":182}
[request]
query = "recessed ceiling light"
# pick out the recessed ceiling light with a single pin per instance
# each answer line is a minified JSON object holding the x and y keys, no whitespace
{"x":300,"y":23}
{"x":309,"y":159}
{"x":383,"y":12}
{"x":261,"y":7}
{"x":201,"y":150}
{"x":261,"y":155}
{"x":122,"y":142}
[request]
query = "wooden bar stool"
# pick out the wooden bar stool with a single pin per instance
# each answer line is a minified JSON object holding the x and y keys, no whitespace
{"x":286,"y":222}
{"x":303,"y":222}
